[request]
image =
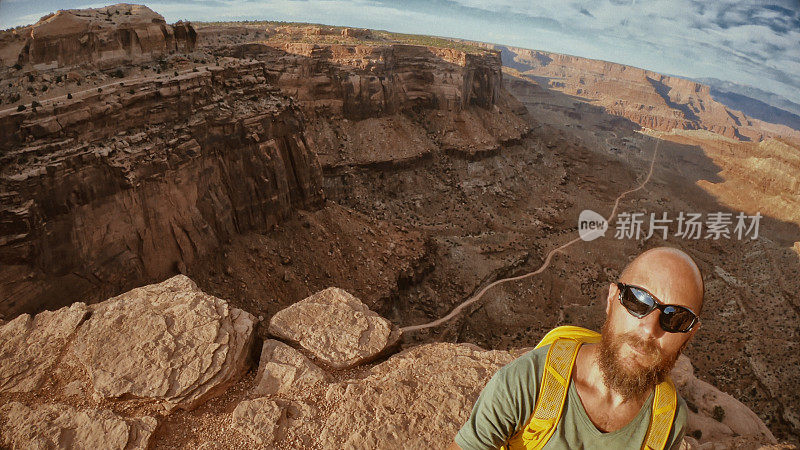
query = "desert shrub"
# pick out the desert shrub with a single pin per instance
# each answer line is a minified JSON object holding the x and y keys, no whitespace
{"x":719,"y":413}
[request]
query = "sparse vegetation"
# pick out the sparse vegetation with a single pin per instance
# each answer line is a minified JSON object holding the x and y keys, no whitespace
{"x":719,"y":413}
{"x":21,"y":108}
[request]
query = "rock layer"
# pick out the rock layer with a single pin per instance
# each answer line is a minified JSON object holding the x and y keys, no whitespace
{"x":105,"y":36}
{"x":336,"y":327}
{"x":648,"y":98}
{"x":133,"y":183}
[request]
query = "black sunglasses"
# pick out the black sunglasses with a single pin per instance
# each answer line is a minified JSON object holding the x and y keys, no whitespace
{"x":639,"y":302}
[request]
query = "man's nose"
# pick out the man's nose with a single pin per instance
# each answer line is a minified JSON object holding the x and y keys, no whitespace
{"x":650,"y":326}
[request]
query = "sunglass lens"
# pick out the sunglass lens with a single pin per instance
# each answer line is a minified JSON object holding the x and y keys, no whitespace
{"x":638,"y":302}
{"x":676,"y":319}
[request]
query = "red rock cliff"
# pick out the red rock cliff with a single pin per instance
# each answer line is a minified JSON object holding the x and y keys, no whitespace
{"x":132,"y":181}
{"x":104,"y":36}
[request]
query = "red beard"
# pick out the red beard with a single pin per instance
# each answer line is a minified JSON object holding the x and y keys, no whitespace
{"x":631,"y":381}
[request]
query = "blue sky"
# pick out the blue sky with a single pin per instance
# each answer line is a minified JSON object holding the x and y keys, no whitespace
{"x":756,"y":43}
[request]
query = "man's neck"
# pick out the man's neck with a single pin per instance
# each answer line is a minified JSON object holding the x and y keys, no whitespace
{"x":607,"y":409}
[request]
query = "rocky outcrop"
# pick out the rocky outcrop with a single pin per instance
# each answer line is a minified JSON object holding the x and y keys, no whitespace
{"x":130,"y":183}
{"x":652,"y":100}
{"x":105,"y":37}
{"x":159,"y":349}
{"x":715,"y":416}
{"x":283,"y":370}
{"x":336,"y":327}
{"x":60,"y":426}
{"x":169,"y":342}
{"x":392,"y":103}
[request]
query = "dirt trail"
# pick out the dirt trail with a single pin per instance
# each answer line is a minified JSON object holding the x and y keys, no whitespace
{"x":458,"y":309}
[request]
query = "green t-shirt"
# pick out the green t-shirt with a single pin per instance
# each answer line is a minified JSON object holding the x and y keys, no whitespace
{"x":507,"y":402}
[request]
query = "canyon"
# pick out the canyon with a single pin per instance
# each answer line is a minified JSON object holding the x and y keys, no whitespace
{"x":215,"y":185}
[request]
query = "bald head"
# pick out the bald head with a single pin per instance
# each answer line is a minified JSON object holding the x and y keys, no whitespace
{"x":670,"y":274}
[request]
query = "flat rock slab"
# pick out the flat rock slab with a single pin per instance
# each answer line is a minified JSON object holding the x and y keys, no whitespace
{"x":416,"y":399}
{"x":336,"y":327}
{"x":30,"y":346}
{"x":261,"y":419}
{"x":167,"y":341}
{"x":284,"y":371}
{"x":53,"y":426}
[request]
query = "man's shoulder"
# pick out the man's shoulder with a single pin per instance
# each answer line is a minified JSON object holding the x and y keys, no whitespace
{"x":527,"y":367}
{"x":681,"y":411}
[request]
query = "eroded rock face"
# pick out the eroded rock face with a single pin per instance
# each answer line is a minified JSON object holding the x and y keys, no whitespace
{"x":261,"y":419}
{"x":31,"y":346}
{"x":61,"y":426}
{"x":390,"y":104}
{"x":134,"y":184}
{"x":650,"y":99}
{"x":336,"y":327}
{"x":104,"y":36}
{"x":283,"y":370}
{"x":718,"y":416}
{"x":416,"y":399}
{"x":169,"y":342}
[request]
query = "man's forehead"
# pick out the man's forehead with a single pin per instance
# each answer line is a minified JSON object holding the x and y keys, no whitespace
{"x":669,"y":274}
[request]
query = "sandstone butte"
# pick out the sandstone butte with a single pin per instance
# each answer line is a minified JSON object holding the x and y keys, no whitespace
{"x":135,"y":152}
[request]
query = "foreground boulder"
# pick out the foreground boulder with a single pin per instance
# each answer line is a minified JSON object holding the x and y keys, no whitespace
{"x":63,"y":426}
{"x":167,"y":341}
{"x":30,"y":346}
{"x":336,"y":327}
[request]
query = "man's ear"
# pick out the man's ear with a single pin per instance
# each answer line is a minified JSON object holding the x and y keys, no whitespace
{"x":612,"y":291}
{"x":694,"y":330}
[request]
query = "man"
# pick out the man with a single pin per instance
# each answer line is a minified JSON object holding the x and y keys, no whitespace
{"x":651,"y":316}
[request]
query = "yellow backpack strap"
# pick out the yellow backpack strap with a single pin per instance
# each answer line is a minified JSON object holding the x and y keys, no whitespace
{"x":665,"y":402}
{"x":568,"y":331}
{"x":552,"y":393}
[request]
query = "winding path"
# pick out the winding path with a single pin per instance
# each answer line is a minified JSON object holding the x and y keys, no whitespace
{"x":458,"y":309}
